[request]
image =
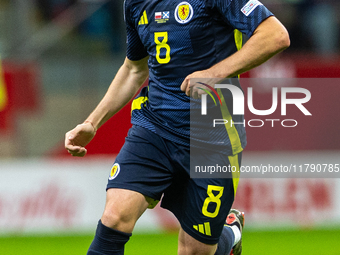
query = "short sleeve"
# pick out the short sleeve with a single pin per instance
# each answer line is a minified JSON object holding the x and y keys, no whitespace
{"x":135,"y":49}
{"x":244,"y":15}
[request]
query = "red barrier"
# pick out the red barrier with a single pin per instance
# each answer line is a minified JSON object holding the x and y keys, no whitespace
{"x":23,"y":92}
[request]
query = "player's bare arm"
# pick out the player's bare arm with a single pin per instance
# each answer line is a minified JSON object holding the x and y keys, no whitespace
{"x":124,"y":86}
{"x":268,"y":39}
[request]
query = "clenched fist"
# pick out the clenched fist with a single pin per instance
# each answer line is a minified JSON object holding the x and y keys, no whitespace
{"x":78,"y":138}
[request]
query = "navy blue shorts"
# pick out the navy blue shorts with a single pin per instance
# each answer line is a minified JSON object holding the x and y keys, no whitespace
{"x":154,"y":166}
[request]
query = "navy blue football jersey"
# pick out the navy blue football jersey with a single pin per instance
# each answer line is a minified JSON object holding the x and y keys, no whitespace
{"x":182,"y":37}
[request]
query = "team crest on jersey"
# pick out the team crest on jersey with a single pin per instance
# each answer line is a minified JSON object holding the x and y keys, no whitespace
{"x":184,"y":12}
{"x":114,"y":171}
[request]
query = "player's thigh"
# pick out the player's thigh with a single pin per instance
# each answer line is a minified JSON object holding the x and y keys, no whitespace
{"x":123,"y":208}
{"x":188,"y":245}
{"x":140,"y":172}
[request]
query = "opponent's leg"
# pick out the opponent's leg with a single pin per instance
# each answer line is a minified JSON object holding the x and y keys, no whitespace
{"x":122,"y":210}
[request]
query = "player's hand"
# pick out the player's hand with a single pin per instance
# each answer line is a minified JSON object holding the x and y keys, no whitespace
{"x":78,"y":138}
{"x":194,"y":83}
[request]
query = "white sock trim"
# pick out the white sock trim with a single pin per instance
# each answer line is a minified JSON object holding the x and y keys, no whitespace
{"x":237,"y":233}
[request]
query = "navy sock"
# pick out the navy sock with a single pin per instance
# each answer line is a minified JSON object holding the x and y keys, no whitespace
{"x":108,"y":241}
{"x":226,"y":242}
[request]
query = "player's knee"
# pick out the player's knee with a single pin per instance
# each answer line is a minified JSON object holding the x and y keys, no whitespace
{"x":118,"y":220}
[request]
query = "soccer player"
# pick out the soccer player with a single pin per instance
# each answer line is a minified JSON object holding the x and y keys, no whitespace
{"x":170,"y":43}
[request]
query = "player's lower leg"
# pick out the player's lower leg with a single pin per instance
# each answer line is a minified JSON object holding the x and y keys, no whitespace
{"x":122,"y":209}
{"x":108,"y":241}
{"x":231,"y":238}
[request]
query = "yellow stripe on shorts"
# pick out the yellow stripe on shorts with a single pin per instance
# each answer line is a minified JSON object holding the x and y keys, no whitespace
{"x":233,"y":160}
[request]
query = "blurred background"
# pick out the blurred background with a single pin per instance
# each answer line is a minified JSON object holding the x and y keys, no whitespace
{"x":58,"y":58}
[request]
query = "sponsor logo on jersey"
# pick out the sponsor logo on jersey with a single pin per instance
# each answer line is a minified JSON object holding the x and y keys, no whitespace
{"x":144,"y":19}
{"x":250,"y":7}
{"x":184,"y":12}
{"x":114,"y":171}
{"x":162,"y":17}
